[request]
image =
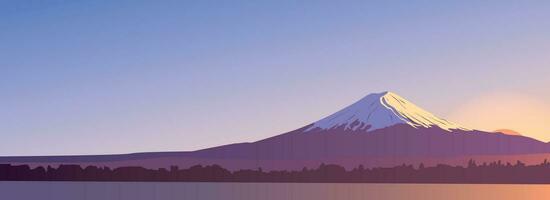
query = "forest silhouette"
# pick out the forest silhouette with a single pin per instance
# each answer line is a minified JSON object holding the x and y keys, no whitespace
{"x":494,"y":172}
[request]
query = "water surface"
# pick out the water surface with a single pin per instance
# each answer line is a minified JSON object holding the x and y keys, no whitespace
{"x":270,"y":191}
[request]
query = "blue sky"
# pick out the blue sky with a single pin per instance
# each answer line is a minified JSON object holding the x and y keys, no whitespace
{"x":94,"y":77}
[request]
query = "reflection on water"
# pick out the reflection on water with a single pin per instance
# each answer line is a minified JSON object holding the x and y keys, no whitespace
{"x":255,"y":191}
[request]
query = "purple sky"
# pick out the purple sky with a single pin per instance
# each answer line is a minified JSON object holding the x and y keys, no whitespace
{"x":94,"y":77}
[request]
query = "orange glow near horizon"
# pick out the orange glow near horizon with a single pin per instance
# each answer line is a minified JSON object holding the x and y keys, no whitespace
{"x":522,"y":113}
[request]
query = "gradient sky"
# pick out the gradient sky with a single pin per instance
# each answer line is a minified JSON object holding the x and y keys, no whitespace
{"x":95,"y":77}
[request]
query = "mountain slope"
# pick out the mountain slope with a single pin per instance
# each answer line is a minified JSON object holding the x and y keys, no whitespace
{"x":380,"y":110}
{"x":379,"y":130}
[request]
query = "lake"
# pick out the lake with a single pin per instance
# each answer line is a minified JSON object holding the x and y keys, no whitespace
{"x":256,"y":191}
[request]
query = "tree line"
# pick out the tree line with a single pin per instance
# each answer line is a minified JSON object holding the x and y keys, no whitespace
{"x":495,"y":172}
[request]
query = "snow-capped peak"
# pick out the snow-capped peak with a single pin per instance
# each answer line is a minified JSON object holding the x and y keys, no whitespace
{"x":380,"y":110}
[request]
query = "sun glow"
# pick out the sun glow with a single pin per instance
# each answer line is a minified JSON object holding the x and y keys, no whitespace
{"x":522,"y":113}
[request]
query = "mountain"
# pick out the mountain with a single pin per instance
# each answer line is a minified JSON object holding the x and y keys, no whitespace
{"x":381,"y":129}
{"x":381,"y":110}
{"x":507,"y":132}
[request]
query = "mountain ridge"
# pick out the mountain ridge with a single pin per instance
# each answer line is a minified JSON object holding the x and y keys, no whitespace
{"x":380,"y":110}
{"x":405,"y":133}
